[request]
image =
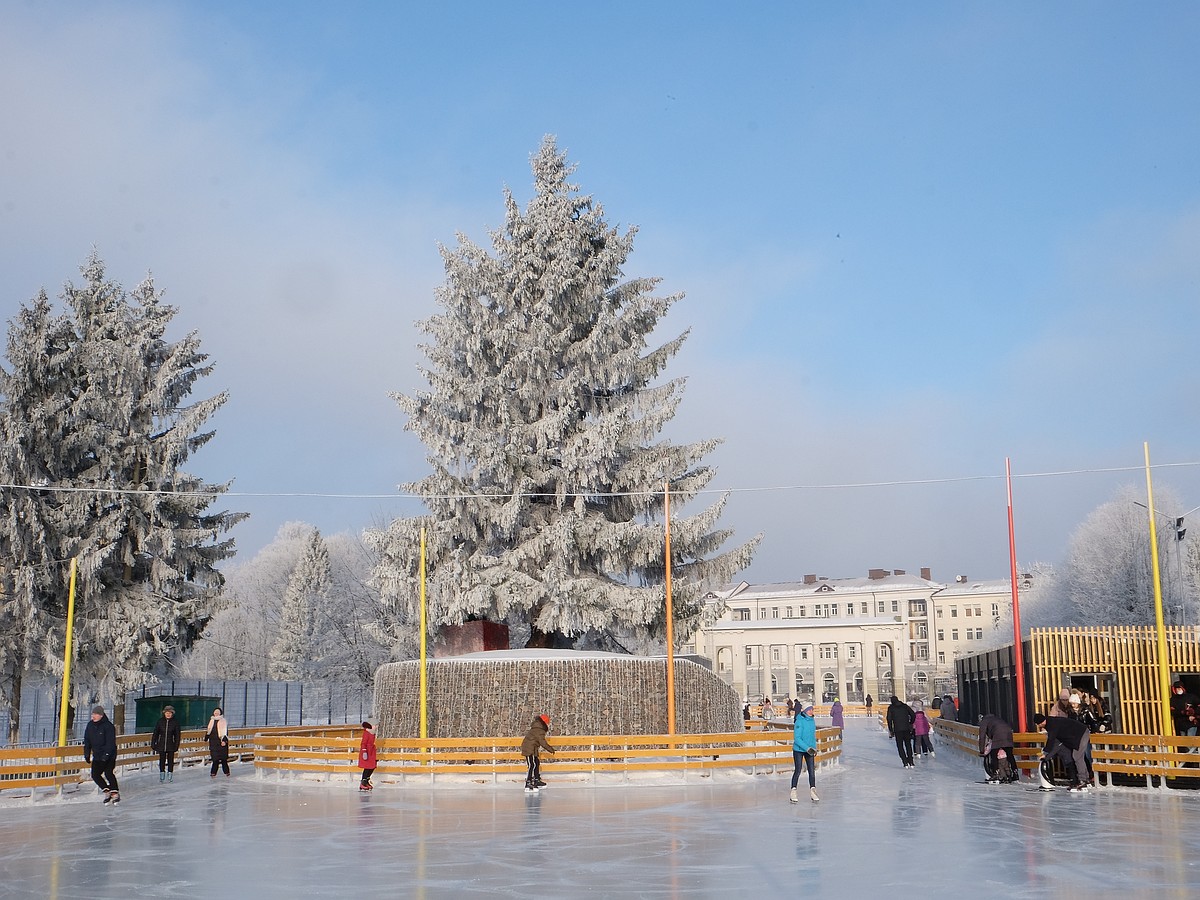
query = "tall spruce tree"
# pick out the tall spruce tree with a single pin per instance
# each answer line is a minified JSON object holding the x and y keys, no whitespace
{"x":96,"y":433}
{"x":542,"y":418}
{"x":307,"y":591}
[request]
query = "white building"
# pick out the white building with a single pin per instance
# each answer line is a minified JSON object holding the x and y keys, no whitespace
{"x":889,"y":632}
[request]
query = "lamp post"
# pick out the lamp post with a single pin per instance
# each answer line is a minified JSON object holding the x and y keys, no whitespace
{"x":1177,"y":522}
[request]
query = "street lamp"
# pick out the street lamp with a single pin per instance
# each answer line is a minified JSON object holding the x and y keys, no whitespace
{"x":1180,"y":533}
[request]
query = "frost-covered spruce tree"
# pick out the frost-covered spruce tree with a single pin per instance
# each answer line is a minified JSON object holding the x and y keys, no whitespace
{"x":543,"y":419}
{"x":107,"y":431}
{"x":307,"y":591}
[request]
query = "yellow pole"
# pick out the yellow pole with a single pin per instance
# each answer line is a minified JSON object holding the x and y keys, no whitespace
{"x":66,"y":685}
{"x":670,"y":617}
{"x":1164,"y":671}
{"x":423,"y":677}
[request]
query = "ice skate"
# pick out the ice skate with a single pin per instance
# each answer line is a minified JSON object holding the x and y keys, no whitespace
{"x":364,"y":787}
{"x":812,"y":794}
{"x":115,"y":797}
{"x":794,"y":797}
{"x":162,"y":777}
{"x":170,"y":776}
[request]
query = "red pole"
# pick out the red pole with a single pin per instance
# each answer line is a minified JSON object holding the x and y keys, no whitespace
{"x":1018,"y":652}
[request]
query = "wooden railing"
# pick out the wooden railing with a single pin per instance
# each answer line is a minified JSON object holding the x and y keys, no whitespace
{"x":1147,"y":757}
{"x":33,"y":767}
{"x":489,"y":758}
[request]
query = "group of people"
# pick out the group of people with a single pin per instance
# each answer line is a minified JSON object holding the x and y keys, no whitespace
{"x":100,"y":747}
{"x":911,"y":729}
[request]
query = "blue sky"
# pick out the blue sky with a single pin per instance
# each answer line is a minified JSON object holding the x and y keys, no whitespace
{"x":914,"y":239}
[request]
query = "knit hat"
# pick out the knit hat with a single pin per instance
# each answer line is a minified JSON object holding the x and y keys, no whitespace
{"x":97,"y":710}
{"x":1064,"y":694}
{"x":807,"y":710}
{"x":168,"y":708}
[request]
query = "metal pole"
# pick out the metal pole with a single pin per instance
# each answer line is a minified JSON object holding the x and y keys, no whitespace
{"x":1018,"y":648}
{"x":424,"y":685}
{"x":1164,"y":673}
{"x":670,"y":616}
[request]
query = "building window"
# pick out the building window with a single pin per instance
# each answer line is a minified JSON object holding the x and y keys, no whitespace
{"x":995,"y":610}
{"x":741,"y":615}
{"x":967,"y":611}
{"x":849,"y":609}
{"x":775,"y":654}
{"x":864,"y":607}
{"x":970,"y":634}
{"x":954,"y":635}
{"x":852,"y":652}
{"x":939,"y":612}
{"x":941,"y":634}
{"x":762,"y":613}
{"x":922,"y":651}
{"x":922,"y":631}
{"x":979,"y":611}
{"x":979,"y":634}
{"x":884,"y":651}
{"x":954,"y":612}
{"x":774,"y":612}
{"x":895,"y":606}
{"x":789,"y":612}
{"x":879,"y":607}
{"x":749,"y":656}
{"x":941,"y":656}
{"x":803,"y":612}
{"x":829,"y":651}
{"x":804,"y":653}
{"x":918,"y":607}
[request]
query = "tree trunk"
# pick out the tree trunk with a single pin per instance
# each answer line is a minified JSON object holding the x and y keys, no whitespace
{"x":14,"y":703}
{"x":549,"y":640}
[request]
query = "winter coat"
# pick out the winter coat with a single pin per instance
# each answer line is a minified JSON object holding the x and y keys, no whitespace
{"x":366,"y":750}
{"x":920,"y":723}
{"x":535,"y":737}
{"x":1068,"y":732}
{"x":218,"y":737}
{"x":899,"y":717}
{"x":804,"y":733}
{"x":835,"y":713}
{"x":948,"y":710}
{"x":166,"y":735}
{"x":100,"y":741}
{"x":994,"y":733}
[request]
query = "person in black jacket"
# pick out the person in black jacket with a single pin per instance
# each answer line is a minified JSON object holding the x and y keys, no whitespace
{"x":900,"y":718}
{"x":996,"y":748}
{"x":100,"y":749}
{"x":165,"y":742}
{"x":1067,"y":740}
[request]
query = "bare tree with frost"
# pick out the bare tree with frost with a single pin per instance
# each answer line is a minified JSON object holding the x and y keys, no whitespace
{"x":543,"y":419}
{"x":96,"y":437}
{"x":1108,"y":576}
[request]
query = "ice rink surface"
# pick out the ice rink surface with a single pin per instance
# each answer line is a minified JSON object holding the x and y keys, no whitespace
{"x":878,"y":831}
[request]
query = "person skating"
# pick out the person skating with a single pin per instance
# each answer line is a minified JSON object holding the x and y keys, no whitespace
{"x":1067,"y":741}
{"x":165,"y":742}
{"x":947,"y":710}
{"x":996,"y":748}
{"x":836,"y":714}
{"x":921,"y":729}
{"x":533,"y":743}
{"x":804,"y":751}
{"x":366,"y":755}
{"x":900,"y":726}
{"x":100,"y":749}
{"x":217,"y":734}
{"x":869,"y":703}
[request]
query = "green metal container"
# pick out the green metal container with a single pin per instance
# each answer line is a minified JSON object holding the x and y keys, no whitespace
{"x":190,"y":712}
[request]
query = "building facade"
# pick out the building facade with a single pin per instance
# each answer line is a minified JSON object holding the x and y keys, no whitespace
{"x":821,"y":638}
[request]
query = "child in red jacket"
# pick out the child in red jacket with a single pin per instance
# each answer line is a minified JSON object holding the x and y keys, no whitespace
{"x":366,"y":756}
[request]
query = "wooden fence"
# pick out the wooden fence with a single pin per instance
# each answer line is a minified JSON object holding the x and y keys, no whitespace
{"x":489,"y":759}
{"x":1146,"y":760}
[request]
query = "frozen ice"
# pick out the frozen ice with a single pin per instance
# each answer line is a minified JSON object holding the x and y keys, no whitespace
{"x":933,"y":831}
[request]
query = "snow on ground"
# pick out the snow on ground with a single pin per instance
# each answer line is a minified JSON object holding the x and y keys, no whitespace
{"x":879,"y":830}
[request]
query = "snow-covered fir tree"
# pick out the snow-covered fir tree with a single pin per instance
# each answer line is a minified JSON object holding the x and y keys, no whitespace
{"x":96,"y":439}
{"x":543,"y":419}
{"x":307,"y":592}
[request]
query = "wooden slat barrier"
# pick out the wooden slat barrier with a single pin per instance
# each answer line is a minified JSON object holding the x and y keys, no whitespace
{"x":1142,"y":756}
{"x":402,"y":758}
{"x":33,"y":767}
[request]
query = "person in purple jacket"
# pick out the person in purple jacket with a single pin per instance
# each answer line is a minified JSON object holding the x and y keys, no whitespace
{"x":835,"y":713}
{"x":921,"y":729}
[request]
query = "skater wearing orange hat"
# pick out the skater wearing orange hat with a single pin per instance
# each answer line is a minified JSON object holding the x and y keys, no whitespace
{"x":531,"y":746}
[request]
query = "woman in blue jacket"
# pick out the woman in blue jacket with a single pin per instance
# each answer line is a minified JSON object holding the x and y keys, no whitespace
{"x":804,"y":751}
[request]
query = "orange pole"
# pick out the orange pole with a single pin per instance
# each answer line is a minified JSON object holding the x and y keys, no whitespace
{"x":1018,"y":648}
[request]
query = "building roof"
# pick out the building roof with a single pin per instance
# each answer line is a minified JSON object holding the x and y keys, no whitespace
{"x":822,"y":587}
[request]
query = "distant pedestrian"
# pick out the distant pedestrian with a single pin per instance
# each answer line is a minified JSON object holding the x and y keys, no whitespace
{"x":948,"y":710}
{"x":921,"y":729}
{"x":366,"y":755}
{"x":835,"y":714}
{"x":869,"y":702}
{"x":100,"y":749}
{"x":531,"y":746}
{"x":900,"y":726}
{"x":165,"y":742}
{"x":767,"y":709}
{"x":791,"y":708}
{"x":746,"y":714}
{"x":218,"y":742}
{"x":804,"y":751}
